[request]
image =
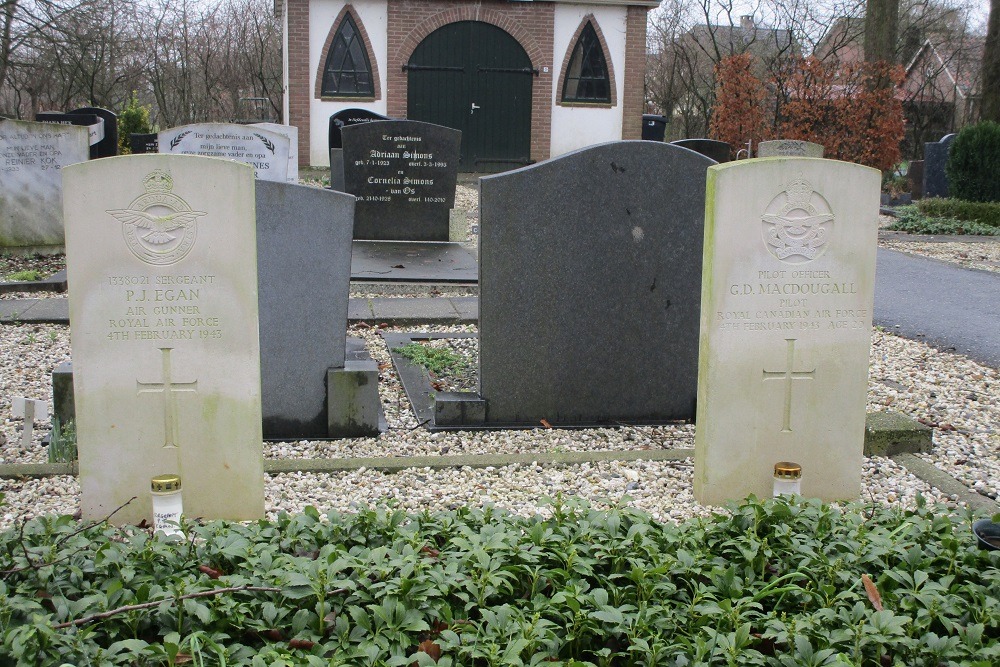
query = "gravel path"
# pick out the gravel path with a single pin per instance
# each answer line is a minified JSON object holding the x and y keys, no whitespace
{"x":957,"y":397}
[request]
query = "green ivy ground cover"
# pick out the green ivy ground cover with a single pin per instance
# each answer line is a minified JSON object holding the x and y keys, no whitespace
{"x":772,"y":583}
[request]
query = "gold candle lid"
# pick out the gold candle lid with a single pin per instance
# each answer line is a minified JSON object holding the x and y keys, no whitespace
{"x":165,"y":483}
{"x":787,"y":470}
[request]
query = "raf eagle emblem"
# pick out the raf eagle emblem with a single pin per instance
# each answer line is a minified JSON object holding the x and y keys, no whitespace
{"x":158,"y":226}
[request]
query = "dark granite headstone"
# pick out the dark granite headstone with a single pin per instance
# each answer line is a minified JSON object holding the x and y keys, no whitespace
{"x":403,"y":173}
{"x":716,"y":150}
{"x":654,"y":127}
{"x":935,"y":159}
{"x":590,"y":286}
{"x":93,"y":122}
{"x":303,"y":251}
{"x":143,"y":143}
{"x":915,"y":174}
{"x":108,"y":146}
{"x":347,"y":117}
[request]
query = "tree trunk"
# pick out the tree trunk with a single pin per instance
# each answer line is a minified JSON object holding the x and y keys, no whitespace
{"x":881,"y":21}
{"x":991,"y":66}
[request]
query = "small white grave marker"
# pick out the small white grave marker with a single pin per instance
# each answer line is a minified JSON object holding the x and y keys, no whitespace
{"x":30,"y":409}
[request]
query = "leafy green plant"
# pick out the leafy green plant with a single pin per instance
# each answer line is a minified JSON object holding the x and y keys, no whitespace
{"x":27,"y":275}
{"x":974,"y":162}
{"x":62,"y":442}
{"x":779,"y":582}
{"x":133,"y":119}
{"x":437,"y":360}
{"x":987,"y":213}
{"x":910,"y":219}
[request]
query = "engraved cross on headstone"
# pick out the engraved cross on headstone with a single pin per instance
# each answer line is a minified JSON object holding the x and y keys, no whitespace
{"x":167,"y":387}
{"x":788,"y":375}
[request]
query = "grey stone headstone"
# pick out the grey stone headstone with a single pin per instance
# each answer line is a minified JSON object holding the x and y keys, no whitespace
{"x":717,"y":150}
{"x":789,"y":148}
{"x":403,"y":173}
{"x":935,"y":160}
{"x":304,"y":274}
{"x":590,"y":286}
{"x":108,"y":146}
{"x":337,"y":169}
{"x":915,"y":174}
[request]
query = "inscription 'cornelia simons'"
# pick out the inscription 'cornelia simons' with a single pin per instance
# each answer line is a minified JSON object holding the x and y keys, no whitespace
{"x":158,"y":226}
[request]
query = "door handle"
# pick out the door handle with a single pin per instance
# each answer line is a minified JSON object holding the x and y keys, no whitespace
{"x":474,"y":107}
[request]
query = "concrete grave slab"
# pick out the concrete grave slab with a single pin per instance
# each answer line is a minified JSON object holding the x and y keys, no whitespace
{"x":161,"y":256}
{"x":788,"y":288}
{"x":402,"y":261}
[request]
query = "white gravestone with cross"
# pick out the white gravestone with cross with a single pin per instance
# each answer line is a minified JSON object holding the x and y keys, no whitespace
{"x":788,"y":284}
{"x":162,"y":253}
{"x":30,"y":409}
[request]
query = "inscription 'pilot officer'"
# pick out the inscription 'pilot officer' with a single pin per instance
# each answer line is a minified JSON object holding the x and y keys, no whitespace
{"x":162,"y":295}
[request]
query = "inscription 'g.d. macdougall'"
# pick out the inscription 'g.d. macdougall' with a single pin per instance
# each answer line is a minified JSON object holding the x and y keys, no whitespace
{"x":745,"y":289}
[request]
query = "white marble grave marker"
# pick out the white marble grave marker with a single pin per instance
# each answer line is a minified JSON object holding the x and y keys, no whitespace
{"x":32,"y":156}
{"x":264,"y":150}
{"x":161,"y":250}
{"x":30,"y":409}
{"x":292,"y":133}
{"x":788,"y":285}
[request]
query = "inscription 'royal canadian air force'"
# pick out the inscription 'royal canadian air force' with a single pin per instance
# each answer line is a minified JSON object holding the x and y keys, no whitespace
{"x":159,"y":227}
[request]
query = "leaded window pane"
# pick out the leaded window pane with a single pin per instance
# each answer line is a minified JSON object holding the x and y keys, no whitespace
{"x":348,"y":71}
{"x":587,"y":75}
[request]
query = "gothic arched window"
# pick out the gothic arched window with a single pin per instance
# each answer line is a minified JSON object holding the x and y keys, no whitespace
{"x":587,"y":77}
{"x":348,"y":71}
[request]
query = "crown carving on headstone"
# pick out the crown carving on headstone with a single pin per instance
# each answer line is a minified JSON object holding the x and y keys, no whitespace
{"x":158,"y":181}
{"x":799,"y":192}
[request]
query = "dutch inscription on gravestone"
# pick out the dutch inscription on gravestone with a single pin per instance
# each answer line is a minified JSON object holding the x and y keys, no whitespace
{"x":93,"y":123}
{"x":32,"y":156}
{"x":143,"y":143}
{"x":161,"y":251}
{"x":264,"y":150}
{"x":786,"y":319}
{"x":403,"y":174}
{"x":342,"y":119}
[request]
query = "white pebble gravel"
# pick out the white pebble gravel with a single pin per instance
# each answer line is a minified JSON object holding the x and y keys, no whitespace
{"x":906,"y":376}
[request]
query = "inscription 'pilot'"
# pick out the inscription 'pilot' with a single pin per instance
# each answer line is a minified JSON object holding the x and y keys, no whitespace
{"x":162,"y":295}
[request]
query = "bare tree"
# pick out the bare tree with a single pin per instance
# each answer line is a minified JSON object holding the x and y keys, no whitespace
{"x":990,"y":109}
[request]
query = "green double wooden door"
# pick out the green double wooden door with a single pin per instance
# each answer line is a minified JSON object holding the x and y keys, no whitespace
{"x":476,"y":78}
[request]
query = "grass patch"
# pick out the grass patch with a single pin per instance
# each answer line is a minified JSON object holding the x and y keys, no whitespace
{"x":27,"y":275}
{"x":437,"y":360}
{"x":776,"y":582}
{"x":911,"y":219}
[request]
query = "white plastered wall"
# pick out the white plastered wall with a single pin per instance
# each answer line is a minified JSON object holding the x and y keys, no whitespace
{"x":322,"y":13}
{"x":576,"y":127}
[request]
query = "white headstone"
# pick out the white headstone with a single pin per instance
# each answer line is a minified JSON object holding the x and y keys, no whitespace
{"x":787,"y":289}
{"x":31,"y":158}
{"x":31,"y":409}
{"x":161,"y":252}
{"x":264,"y":150}
{"x":292,"y":133}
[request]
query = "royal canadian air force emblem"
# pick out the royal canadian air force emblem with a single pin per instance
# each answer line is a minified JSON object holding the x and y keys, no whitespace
{"x":159,"y":227}
{"x":797,"y":223}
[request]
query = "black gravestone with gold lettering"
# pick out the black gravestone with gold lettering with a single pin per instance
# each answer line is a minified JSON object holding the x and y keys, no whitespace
{"x":403,"y":173}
